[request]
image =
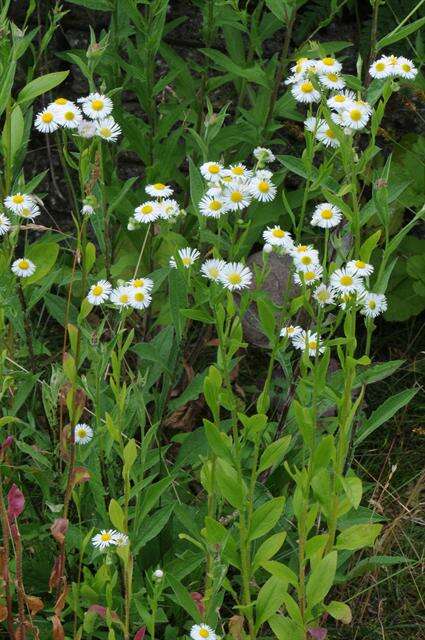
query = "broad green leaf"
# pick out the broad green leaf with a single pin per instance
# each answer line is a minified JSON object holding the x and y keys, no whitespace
{"x":116,"y":515}
{"x":41,"y":85}
{"x":228,"y":482}
{"x":183,"y":598}
{"x":384,"y":413}
{"x":286,"y":629}
{"x":339,"y":611}
{"x":400,"y":33}
{"x":270,"y":598}
{"x":43,"y":255}
{"x":321,"y":579}
{"x":265,"y":517}
{"x":358,"y":536}
{"x":268,"y":549}
{"x":280,"y":570}
{"x":274,"y":453}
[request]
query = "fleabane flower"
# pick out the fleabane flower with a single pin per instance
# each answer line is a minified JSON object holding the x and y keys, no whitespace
{"x":4,"y":224}
{"x":104,"y":539}
{"x":202,"y":632}
{"x":305,"y":92}
{"x":360,"y":268}
{"x":263,"y":155}
{"x":373,"y":304}
{"x":344,"y":281}
{"x":309,"y":275}
{"x":69,"y":116}
{"x":121,"y":539}
{"x":145,"y":284}
{"x":326,"y":136}
{"x":17,"y":202}
{"x":99,"y":292}
{"x":87,"y":129}
{"x":139,"y":298}
{"x":82,"y":433}
{"x":60,"y":103}
{"x":121,"y":296}
{"x":187,"y":256}
{"x":31,"y":212}
{"x":212,"y":171}
{"x":213,"y":206}
{"x":168,"y":209}
{"x":406,"y":69}
{"x":392,"y":63}
{"x":87,"y":210}
{"x":312,"y":124}
{"x":324,"y":295}
{"x":277,"y":237}
{"x":380,"y":69}
{"x":212,"y":269}
{"x":237,"y":197}
{"x":262,"y":189}
{"x":308,"y":341}
{"x":23,"y":267}
{"x":96,"y":106}
{"x":147,"y":212}
{"x":290,"y":331}
{"x":45,"y":121}
{"x":238,"y":171}
{"x":159,"y":190}
{"x":235,"y":276}
{"x":331,"y":80}
{"x":326,"y":216}
{"x":355,"y":117}
{"x":108,"y":129}
{"x":341,"y":100}
{"x":328,"y":65}
{"x":304,"y":260}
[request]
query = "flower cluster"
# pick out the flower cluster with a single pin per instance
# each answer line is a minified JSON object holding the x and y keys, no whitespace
{"x":66,"y":114}
{"x":135,"y":294}
{"x":22,"y":205}
{"x":161,"y":207}
{"x":108,"y":538}
{"x":233,"y":188}
{"x":393,"y":66}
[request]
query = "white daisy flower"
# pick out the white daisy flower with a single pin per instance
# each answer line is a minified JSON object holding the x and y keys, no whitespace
{"x":139,"y":298}
{"x":146,"y":284}
{"x":360,"y":267}
{"x":147,"y":212}
{"x":122,"y":296}
{"x":237,"y":198}
{"x":159,"y":190}
{"x":99,"y":292}
{"x":17,"y":202}
{"x":212,"y":269}
{"x":332,"y":80}
{"x":308,"y":341}
{"x":69,"y":116}
{"x":308,"y":276}
{"x":310,"y":66}
{"x":31,"y":212}
{"x":87,"y":210}
{"x":295,"y":78}
{"x":341,"y":100}
{"x":108,"y":129}
{"x":304,"y":260}
{"x":235,"y":275}
{"x":392,"y":63}
{"x":158,"y":574}
{"x":326,"y":136}
{"x":277,"y":237}
{"x":326,"y":216}
{"x":290,"y":331}
{"x":262,"y":189}
{"x":328,"y":65}
{"x":87,"y":129}
{"x":82,"y":433}
{"x":344,"y":281}
{"x":96,"y":106}
{"x":406,"y":69}
{"x":373,"y":304}
{"x":263,"y":154}
{"x":45,"y":121}
{"x":305,"y":92}
{"x":238,"y":171}
{"x":104,"y":539}
{"x":363,"y":105}
{"x":121,"y":539}
{"x":312,"y":124}
{"x":60,"y":103}
{"x":324,"y":295}
{"x":380,"y":69}
{"x":4,"y":224}
{"x":168,"y":209}
{"x":23,"y":267}
{"x":187,"y":256}
{"x":202,"y":632}
{"x":212,"y":171}
{"x":213,"y":206}
{"x":355,"y":117}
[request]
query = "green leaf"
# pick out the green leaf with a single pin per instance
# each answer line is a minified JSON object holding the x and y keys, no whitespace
{"x":265,"y":517}
{"x":321,"y":579}
{"x":41,"y":85}
{"x":358,"y":536}
{"x":399,"y":33}
{"x":116,"y":515}
{"x":218,"y":441}
{"x":274,"y":453}
{"x":270,"y":598}
{"x":197,"y":185}
{"x":151,"y":495}
{"x":282,"y":572}
{"x":183,"y":598}
{"x":44,"y":256}
{"x":384,"y":413}
{"x":228,"y":482}
{"x":286,"y":629}
{"x":267,"y":319}
{"x":252,"y":74}
{"x":268,"y":549}
{"x":130,"y":456}
{"x":339,"y":611}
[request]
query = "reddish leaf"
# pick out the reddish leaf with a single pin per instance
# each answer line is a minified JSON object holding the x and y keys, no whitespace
{"x":55,"y":575}
{"x":35,"y":604}
{"x":57,"y":632}
{"x":318,"y":633}
{"x":101,"y":611}
{"x":80,"y":475}
{"x":198,"y":599}
{"x":59,"y":529}
{"x":61,"y":601}
{"x":140,"y":634}
{"x":16,"y":502}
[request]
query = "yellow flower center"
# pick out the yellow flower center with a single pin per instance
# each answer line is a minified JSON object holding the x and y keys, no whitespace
{"x":25,"y":213}
{"x":105,"y":537}
{"x":307,"y":87}
{"x":372,"y":304}
{"x":159,"y":186}
{"x":339,"y":98}
{"x":214,"y":272}
{"x":332,"y":77}
{"x":204,"y":633}
{"x":139,"y":296}
{"x":346,"y":281}
{"x":61,"y":101}
{"x":214,"y":168}
{"x":69,"y":115}
{"x":302,"y":248}
{"x":215,"y":205}
{"x":406,"y":67}
{"x":97,"y":105}
{"x":356,"y":115}
{"x":124,"y":298}
{"x":23,"y":264}
{"x":263,"y":186}
{"x":323,"y":295}
{"x":138,"y":283}
{"x":97,"y":290}
{"x":186,"y":261}
{"x":312,"y":345}
{"x":81,"y":433}
{"x":18,"y":199}
{"x":393,"y":60}
{"x":329,"y":133}
{"x":146,"y":209}
{"x":47,"y":117}
{"x":235,"y":278}
{"x":360,"y":264}
{"x":328,"y":61}
{"x":309,"y":275}
{"x":380,"y":66}
{"x":105,"y":132}
{"x":306,"y":260}
{"x":326,"y":214}
{"x":236,"y":196}
{"x":278,"y":233}
{"x":290,"y":330}
{"x":238,"y":171}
